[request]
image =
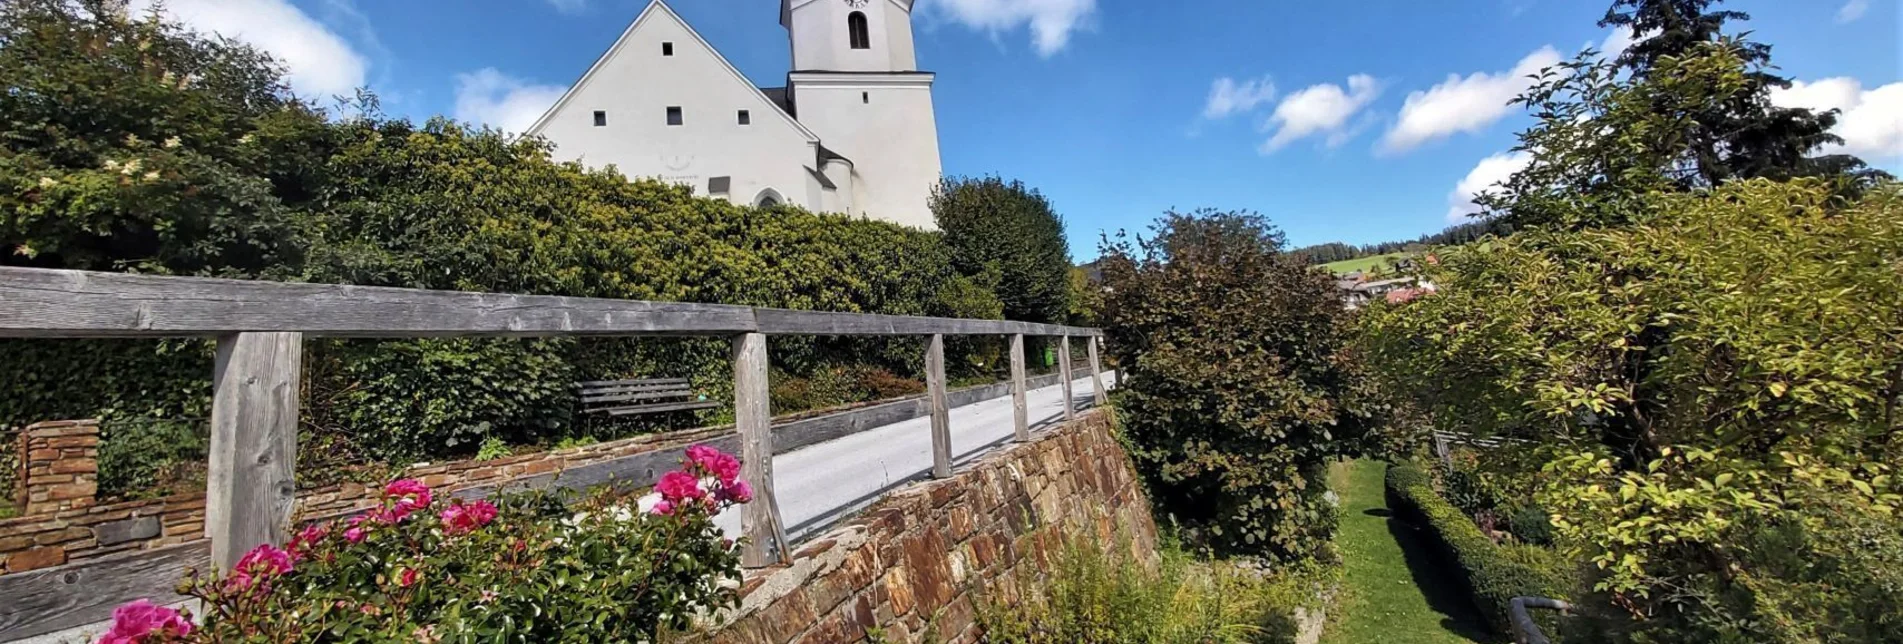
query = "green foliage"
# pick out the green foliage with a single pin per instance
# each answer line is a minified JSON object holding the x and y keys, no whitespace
{"x":1007,"y":228}
{"x":836,"y":386}
{"x":418,"y":398}
{"x":1235,"y":386}
{"x":491,"y":449}
{"x":1094,"y":594}
{"x":1728,"y":367}
{"x":1493,"y":573}
{"x":135,"y":144}
{"x":141,"y":458}
{"x":74,"y":379}
{"x":1695,"y":118}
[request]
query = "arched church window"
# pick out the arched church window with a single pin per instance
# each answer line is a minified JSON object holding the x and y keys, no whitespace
{"x":856,"y":27}
{"x":768,"y":198}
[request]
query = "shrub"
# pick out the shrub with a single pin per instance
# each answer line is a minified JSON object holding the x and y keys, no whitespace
{"x":526,"y":568}
{"x":1236,"y":390}
{"x":1725,"y":365}
{"x":135,"y":143}
{"x":1008,"y":232}
{"x":1493,"y":574}
{"x":140,"y":458}
{"x":1094,"y":594}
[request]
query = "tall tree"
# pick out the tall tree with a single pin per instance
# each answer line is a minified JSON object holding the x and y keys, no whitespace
{"x":1237,"y":388}
{"x":1744,"y":135}
{"x":129,"y":142}
{"x":1685,"y":107}
{"x":1005,"y":231}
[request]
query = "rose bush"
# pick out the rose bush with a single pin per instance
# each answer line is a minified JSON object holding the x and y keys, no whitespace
{"x":525,"y":567}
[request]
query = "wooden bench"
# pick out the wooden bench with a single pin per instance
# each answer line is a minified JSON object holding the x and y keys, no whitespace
{"x":631,"y":397}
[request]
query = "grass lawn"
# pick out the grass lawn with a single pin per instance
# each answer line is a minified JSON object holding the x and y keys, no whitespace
{"x":1372,"y":262}
{"x":1393,"y":590}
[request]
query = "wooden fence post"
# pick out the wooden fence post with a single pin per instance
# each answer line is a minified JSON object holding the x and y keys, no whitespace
{"x":1063,"y":373}
{"x":1096,"y":373}
{"x":1021,"y":415}
{"x":250,"y":485}
{"x":753,"y":417}
{"x":941,"y":409}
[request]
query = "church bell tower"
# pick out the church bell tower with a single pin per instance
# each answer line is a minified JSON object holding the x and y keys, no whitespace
{"x":855,"y":82}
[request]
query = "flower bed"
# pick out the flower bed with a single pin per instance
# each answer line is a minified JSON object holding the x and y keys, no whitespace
{"x":532,"y":566}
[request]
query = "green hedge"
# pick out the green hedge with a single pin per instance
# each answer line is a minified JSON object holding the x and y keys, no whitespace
{"x":1493,"y":574}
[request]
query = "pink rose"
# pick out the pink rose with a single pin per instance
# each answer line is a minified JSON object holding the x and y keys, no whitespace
{"x":714,"y":462}
{"x":307,"y":539}
{"x":407,"y":578}
{"x":409,"y":495}
{"x":677,"y":486}
{"x":358,"y":528}
{"x":463,"y":518}
{"x":133,"y":621}
{"x":735,"y":492}
{"x":260,"y":565}
{"x":662,"y":507}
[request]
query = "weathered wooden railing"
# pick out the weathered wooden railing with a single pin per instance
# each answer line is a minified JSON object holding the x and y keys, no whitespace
{"x":260,"y":328}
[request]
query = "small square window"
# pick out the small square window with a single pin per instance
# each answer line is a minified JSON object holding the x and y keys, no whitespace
{"x":865,"y":97}
{"x":674,"y":116}
{"x":601,"y":118}
{"x":746,"y":118}
{"x":667,"y":49}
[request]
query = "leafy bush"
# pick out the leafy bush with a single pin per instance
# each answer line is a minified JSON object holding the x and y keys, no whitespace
{"x":1236,"y":390}
{"x":137,"y":144}
{"x":1725,"y":366}
{"x":1493,"y":574}
{"x":1008,"y":232}
{"x":420,"y":398}
{"x":1094,"y":594}
{"x":526,"y":568}
{"x":141,"y":458}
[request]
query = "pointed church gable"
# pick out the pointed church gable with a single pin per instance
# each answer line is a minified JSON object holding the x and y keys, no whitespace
{"x":657,"y":10}
{"x":663,"y":103}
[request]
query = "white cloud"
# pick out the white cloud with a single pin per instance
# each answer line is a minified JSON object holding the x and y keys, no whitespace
{"x":1616,"y":42}
{"x":1226,"y":96}
{"x":1852,"y":11}
{"x":569,"y":6}
{"x":1051,"y":21}
{"x":320,"y":62}
{"x":1488,"y":174}
{"x":491,"y":97}
{"x":1871,"y":122}
{"x":1463,"y":104}
{"x":1324,"y":108}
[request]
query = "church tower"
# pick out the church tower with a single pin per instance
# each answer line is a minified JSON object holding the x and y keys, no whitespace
{"x":855,"y":83}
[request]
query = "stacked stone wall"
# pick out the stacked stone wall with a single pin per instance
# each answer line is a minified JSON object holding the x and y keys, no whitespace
{"x":915,"y":566}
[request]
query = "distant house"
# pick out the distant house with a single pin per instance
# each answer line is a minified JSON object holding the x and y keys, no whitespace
{"x":1357,"y":290}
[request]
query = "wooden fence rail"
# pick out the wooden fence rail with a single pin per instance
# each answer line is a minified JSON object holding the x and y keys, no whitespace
{"x":260,"y":328}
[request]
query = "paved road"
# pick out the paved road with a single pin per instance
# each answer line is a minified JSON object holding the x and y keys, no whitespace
{"x":820,"y":484}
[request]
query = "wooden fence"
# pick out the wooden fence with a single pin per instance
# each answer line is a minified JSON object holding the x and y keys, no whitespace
{"x":260,"y":328}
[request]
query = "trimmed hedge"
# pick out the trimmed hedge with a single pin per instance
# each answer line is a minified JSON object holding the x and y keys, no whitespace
{"x":1493,"y":574}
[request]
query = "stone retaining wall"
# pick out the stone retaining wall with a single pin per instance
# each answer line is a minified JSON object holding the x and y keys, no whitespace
{"x":912,"y":566}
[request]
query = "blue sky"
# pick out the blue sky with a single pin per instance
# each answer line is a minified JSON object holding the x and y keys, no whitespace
{"x":1357,"y":122}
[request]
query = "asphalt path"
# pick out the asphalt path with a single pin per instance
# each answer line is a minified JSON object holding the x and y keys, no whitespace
{"x":820,"y":484}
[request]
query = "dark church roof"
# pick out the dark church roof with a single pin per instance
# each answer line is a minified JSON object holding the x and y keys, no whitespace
{"x":780,"y":97}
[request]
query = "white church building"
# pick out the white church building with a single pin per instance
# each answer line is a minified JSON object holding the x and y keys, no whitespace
{"x":852,"y":131}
